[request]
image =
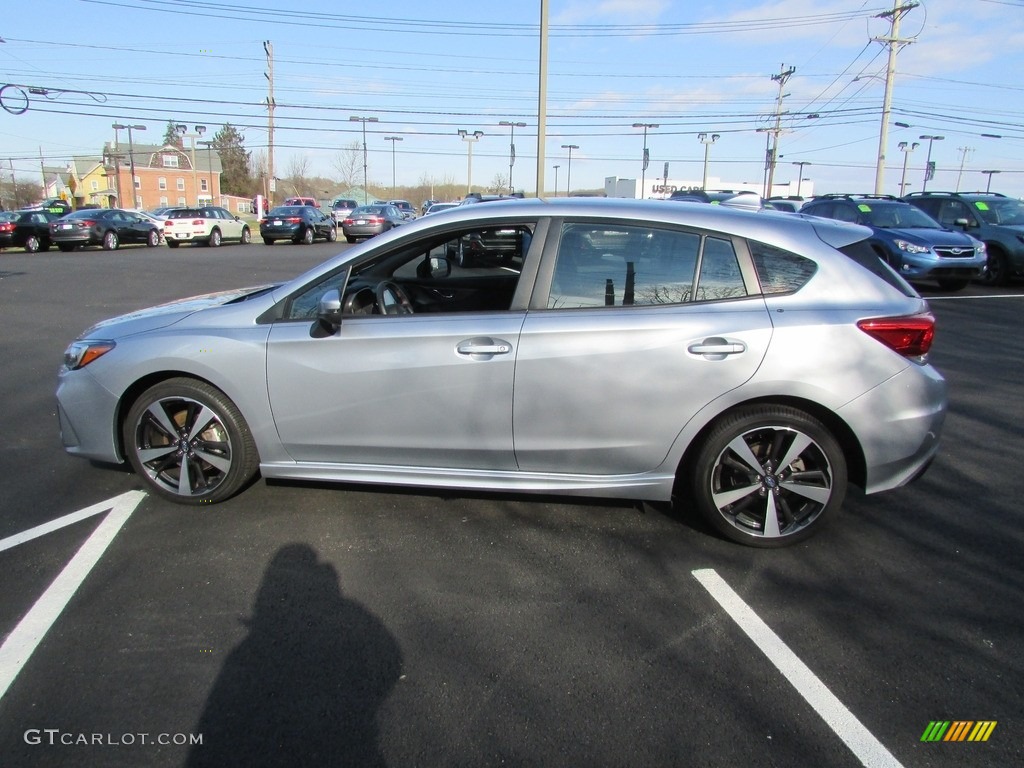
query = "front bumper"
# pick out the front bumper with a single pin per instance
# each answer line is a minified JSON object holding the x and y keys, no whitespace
{"x":87,"y":413}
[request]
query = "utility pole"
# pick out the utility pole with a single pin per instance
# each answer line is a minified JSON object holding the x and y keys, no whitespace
{"x":542,"y":98}
{"x":268,"y":48}
{"x":773,"y":153}
{"x":964,"y":151}
{"x":895,"y":43}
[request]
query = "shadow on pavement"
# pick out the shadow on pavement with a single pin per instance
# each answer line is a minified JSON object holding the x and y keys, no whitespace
{"x":304,"y":687}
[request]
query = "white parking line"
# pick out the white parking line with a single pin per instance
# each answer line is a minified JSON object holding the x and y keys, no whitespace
{"x":967,"y":298}
{"x":22,"y":641}
{"x":869,"y":750}
{"x":63,"y":522}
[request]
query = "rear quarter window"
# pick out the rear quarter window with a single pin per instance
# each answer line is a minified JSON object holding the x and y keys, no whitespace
{"x":780,"y":271}
{"x":865,"y":255}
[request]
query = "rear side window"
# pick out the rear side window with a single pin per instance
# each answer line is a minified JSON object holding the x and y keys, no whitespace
{"x":780,"y":271}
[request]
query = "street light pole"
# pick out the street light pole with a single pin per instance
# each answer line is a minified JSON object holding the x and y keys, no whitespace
{"x":366,"y":183}
{"x":511,"y":150}
{"x":209,"y":165}
{"x":707,"y":142}
{"x":394,"y":177}
{"x":470,"y":139}
{"x":906,"y":149}
{"x":647,"y":157}
{"x":928,"y":160}
{"x":988,"y":186}
{"x":199,"y":131}
{"x":800,"y":173}
{"x":131,"y":156}
{"x":556,"y":167}
{"x":568,"y":173}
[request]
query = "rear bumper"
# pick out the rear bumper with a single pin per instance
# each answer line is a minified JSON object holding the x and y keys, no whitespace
{"x":899,"y":424}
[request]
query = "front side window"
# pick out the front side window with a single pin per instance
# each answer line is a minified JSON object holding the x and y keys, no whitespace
{"x":470,"y":270}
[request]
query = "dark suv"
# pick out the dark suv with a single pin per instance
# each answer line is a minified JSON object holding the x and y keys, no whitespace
{"x":912,"y":243}
{"x":996,"y":220}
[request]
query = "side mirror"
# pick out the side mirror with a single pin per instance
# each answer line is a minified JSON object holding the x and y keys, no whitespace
{"x":329,"y":310}
{"x":962,"y":223}
{"x":433,"y":267}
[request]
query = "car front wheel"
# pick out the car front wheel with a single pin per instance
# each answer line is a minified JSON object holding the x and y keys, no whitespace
{"x":153,"y":238}
{"x":189,"y":442}
{"x":769,"y":476}
{"x":997,"y":268}
{"x":246,"y":236}
{"x":32,"y":244}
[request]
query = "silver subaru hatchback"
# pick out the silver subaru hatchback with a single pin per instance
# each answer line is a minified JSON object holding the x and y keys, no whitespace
{"x":748,"y":364}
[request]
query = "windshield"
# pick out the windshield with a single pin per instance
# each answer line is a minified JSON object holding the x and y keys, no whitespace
{"x":897,"y":217}
{"x":1001,"y":211}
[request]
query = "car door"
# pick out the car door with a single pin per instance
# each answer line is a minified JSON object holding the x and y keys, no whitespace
{"x":430,"y":389}
{"x":640,"y":327}
{"x":231,"y":227}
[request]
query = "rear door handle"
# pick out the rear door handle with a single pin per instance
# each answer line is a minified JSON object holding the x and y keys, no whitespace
{"x":716,"y":348}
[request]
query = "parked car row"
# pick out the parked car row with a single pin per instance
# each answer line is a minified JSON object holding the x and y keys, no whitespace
{"x":948,"y":237}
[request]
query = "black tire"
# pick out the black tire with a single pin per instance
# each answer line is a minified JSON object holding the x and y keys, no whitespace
{"x":350,"y":239}
{"x":308,"y":236}
{"x":332,"y":235}
{"x":215,"y":238}
{"x":797,"y":485}
{"x":268,"y":241}
{"x":189,"y":442}
{"x":246,"y":236}
{"x":953,"y":283}
{"x":173,"y":243}
{"x":66,"y":247}
{"x":32,"y":244}
{"x":997,"y":268}
{"x":110,"y":241}
{"x":153,"y":238}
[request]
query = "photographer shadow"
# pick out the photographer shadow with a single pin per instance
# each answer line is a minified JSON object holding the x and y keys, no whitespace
{"x":304,"y":687}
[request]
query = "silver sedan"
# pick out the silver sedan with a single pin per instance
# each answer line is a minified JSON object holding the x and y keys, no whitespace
{"x":748,"y":364}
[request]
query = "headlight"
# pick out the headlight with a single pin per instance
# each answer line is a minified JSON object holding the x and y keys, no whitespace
{"x":80,"y":353}
{"x":906,"y":247}
{"x":980,"y":249}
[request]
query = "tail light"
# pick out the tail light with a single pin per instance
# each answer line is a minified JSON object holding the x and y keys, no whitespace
{"x":169,"y":223}
{"x":374,"y":219}
{"x":294,"y":220}
{"x":910,"y":336}
{"x":7,"y":226}
{"x":197,"y":222}
{"x":347,"y":221}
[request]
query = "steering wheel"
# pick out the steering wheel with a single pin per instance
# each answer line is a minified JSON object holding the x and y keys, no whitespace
{"x":392,"y":299}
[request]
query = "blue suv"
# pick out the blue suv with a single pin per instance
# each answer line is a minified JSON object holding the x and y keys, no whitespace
{"x":909,"y":240}
{"x":996,"y":220}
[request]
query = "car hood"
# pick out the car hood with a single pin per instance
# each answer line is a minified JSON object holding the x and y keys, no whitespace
{"x":924,"y":236}
{"x":163,"y":315}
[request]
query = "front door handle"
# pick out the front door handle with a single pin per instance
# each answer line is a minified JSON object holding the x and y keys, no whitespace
{"x":483,"y":348}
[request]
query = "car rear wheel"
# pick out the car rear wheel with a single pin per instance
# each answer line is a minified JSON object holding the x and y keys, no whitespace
{"x":215,"y":239}
{"x":268,"y":241}
{"x":153,"y":238}
{"x":173,"y":243}
{"x":769,"y":476}
{"x":110,"y":241}
{"x":350,"y":239}
{"x":32,"y":244}
{"x":189,"y":442}
{"x":308,"y":236}
{"x":66,"y":247}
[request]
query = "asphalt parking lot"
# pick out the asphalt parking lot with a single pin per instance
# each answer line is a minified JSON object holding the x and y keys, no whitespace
{"x":300,"y":624}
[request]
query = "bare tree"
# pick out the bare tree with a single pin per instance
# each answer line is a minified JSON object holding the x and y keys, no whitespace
{"x":297,"y":176}
{"x":349,"y":165}
{"x":498,"y":184}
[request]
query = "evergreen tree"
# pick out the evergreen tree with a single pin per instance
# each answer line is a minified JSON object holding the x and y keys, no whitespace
{"x":236,"y":178}
{"x":171,"y":135}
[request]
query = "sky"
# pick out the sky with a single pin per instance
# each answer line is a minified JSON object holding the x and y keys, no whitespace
{"x":425,"y":70}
